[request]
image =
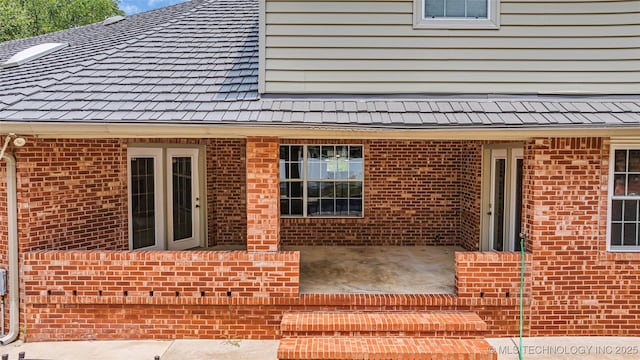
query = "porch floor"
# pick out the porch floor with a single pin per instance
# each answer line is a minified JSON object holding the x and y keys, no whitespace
{"x":377,"y":269}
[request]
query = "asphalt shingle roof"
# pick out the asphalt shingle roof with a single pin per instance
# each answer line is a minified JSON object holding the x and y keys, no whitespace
{"x":197,"y":62}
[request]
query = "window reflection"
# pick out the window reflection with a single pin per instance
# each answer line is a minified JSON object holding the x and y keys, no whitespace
{"x":327,"y":178}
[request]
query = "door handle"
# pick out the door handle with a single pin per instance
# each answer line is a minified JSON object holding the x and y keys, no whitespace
{"x":489,"y":213}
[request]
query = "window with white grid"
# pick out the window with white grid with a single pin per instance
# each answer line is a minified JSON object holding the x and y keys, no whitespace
{"x":321,"y":180}
{"x":455,"y":14}
{"x":624,"y":195}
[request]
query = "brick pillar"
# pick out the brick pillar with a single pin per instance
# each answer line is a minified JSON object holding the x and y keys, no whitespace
{"x":566,"y":224}
{"x":263,"y":194}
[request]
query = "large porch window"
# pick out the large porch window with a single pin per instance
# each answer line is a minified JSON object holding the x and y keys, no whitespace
{"x":624,"y":199}
{"x":321,"y":180}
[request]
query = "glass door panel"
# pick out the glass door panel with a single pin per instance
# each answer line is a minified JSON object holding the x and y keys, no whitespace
{"x":183,"y":201}
{"x":498,"y":203}
{"x":145,"y":203}
{"x":182,"y":198}
{"x":517,"y":201}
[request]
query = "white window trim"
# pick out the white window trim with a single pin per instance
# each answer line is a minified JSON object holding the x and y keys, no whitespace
{"x":612,"y":154}
{"x":305,"y":180}
{"x":491,"y":22}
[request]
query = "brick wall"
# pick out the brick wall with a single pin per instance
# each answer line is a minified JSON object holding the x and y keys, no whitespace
{"x":579,"y":288}
{"x":470,"y":195}
{"x":57,"y":318}
{"x":73,"y":193}
{"x":413,"y":193}
{"x":495,"y":275}
{"x":226,"y":190}
{"x":172,"y":275}
{"x":161,"y":294}
{"x":491,"y":274}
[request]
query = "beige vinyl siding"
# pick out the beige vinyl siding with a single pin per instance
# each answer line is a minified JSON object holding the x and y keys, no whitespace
{"x":371,"y":47}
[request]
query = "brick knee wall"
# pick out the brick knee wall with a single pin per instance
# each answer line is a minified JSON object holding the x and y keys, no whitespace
{"x":491,"y":274}
{"x":164,"y":275}
{"x":76,"y":295}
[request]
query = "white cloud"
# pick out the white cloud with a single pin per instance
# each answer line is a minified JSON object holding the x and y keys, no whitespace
{"x":158,"y":3}
{"x":129,"y":9}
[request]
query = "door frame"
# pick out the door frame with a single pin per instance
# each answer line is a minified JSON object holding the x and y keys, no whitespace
{"x":511,"y":152}
{"x":195,"y":188}
{"x":162,"y":230}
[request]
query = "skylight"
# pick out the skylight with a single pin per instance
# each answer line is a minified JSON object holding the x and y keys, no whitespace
{"x":113,"y":20}
{"x":33,"y":53}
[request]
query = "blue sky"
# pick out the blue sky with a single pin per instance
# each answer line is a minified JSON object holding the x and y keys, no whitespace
{"x":131,"y":7}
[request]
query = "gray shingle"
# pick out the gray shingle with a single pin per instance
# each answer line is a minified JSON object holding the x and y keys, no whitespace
{"x":506,"y":106}
{"x":411,"y":118}
{"x":395,"y":107}
{"x":489,"y":107}
{"x":316,"y":106}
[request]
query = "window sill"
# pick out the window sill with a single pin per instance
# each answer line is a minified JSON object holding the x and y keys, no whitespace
{"x":620,"y":255}
{"x":321,"y":217}
{"x":453,"y":24}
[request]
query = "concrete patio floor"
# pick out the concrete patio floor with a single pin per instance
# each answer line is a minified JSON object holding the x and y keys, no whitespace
{"x":377,"y":269}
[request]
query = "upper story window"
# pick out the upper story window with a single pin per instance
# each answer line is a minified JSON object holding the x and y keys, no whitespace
{"x":456,"y":14}
{"x":321,"y":180}
{"x":624,"y":199}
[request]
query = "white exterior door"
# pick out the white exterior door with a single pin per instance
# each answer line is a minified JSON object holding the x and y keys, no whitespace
{"x":164,"y":198}
{"x":183,"y":199}
{"x":502,"y":199}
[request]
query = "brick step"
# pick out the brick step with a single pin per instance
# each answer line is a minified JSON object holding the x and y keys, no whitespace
{"x":387,"y":348}
{"x":450,"y":324}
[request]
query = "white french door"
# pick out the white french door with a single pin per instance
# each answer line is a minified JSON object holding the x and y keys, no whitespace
{"x":502,"y":200}
{"x":183,"y":201}
{"x":164,"y":200}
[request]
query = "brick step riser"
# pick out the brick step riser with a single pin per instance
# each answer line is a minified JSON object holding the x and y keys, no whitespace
{"x":407,"y":356}
{"x":415,"y":334}
{"x":352,"y":348}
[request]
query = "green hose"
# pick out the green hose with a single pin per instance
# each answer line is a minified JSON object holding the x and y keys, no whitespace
{"x":522,"y":236}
